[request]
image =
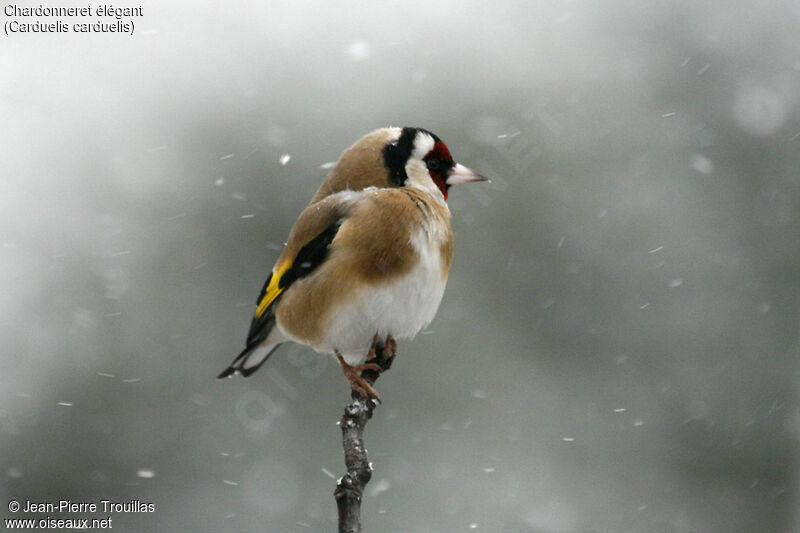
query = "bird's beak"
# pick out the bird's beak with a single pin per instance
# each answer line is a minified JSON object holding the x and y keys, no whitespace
{"x":461,"y":174}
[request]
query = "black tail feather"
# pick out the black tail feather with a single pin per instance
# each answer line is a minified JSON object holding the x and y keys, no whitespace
{"x":239,"y":363}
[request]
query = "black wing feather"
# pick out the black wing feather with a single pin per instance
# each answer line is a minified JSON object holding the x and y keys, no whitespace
{"x":310,"y":256}
{"x":308,"y":259}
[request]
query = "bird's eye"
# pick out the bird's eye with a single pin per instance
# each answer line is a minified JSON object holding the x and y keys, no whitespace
{"x":433,"y":164}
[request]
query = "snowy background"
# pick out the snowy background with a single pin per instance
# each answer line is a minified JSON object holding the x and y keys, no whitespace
{"x":617,"y":349}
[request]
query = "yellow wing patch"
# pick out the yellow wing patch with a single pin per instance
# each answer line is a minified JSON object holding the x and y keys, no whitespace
{"x":273,"y":289}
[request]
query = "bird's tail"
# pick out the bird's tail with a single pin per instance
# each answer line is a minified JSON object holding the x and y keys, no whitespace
{"x":250,"y":359}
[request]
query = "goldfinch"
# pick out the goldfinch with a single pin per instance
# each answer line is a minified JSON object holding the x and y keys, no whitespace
{"x":367,"y":260}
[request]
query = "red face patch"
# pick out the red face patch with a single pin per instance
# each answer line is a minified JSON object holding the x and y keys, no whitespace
{"x":440,"y":151}
{"x":439,"y":162}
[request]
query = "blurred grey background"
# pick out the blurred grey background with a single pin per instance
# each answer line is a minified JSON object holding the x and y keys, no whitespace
{"x":617,"y":347}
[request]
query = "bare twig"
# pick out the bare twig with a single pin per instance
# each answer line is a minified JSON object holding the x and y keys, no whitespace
{"x":350,"y":487}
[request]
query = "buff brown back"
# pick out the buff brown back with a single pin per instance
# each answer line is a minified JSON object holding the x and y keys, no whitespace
{"x":360,"y":166}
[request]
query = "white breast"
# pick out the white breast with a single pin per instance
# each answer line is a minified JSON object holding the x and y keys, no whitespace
{"x":401,"y":308}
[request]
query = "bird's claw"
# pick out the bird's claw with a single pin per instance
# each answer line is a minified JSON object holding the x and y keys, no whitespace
{"x":358,"y":383}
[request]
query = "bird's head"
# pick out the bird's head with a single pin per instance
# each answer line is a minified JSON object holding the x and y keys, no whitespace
{"x":397,"y":157}
{"x":418,"y":158}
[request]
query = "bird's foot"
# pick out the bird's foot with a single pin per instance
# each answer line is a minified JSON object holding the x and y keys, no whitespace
{"x":358,"y":383}
{"x":382,"y":353}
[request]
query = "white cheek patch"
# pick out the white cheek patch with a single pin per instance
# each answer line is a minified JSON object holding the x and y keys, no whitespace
{"x":423,"y":143}
{"x":416,"y":170}
{"x":419,"y":177}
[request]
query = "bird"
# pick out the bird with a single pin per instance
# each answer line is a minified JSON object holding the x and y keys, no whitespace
{"x":367,"y":260}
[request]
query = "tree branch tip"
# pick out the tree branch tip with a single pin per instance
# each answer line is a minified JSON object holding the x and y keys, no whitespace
{"x":350,"y":487}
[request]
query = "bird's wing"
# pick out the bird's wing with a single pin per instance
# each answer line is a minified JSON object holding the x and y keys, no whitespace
{"x":305,"y":250}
